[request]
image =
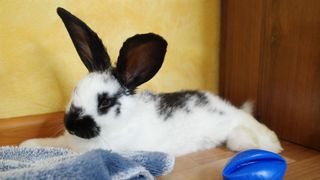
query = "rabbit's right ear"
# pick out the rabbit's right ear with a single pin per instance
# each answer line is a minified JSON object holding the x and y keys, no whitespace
{"x":87,"y":43}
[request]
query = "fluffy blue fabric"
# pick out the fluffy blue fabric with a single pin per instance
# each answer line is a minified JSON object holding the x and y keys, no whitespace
{"x":56,"y":163}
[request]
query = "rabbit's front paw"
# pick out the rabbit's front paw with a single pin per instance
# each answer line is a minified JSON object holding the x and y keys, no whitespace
{"x":31,"y":143}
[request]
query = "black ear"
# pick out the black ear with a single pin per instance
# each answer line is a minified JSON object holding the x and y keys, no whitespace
{"x":140,"y":58}
{"x":87,"y":43}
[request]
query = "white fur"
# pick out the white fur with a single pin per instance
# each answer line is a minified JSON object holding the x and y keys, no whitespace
{"x":140,"y":127}
{"x":247,"y":107}
{"x":135,"y":122}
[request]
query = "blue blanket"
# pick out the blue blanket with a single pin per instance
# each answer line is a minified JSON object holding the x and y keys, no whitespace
{"x":56,"y":163}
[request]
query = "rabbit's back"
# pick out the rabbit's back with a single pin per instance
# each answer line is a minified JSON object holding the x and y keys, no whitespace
{"x":177,"y":123}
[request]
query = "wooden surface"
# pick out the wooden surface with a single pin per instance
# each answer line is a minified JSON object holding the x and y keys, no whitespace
{"x":303,"y":164}
{"x":270,"y":53}
{"x":290,"y":78}
{"x":241,"y":23}
{"x":15,"y":130}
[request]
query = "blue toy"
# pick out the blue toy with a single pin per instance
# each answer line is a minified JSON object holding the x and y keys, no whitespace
{"x":255,"y":164}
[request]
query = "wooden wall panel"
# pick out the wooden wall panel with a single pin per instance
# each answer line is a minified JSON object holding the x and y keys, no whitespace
{"x":270,"y":52}
{"x":15,"y":130}
{"x":290,"y":75}
{"x":240,"y":49}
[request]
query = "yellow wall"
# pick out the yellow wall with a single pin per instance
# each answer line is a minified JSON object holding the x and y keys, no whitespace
{"x":39,"y":66}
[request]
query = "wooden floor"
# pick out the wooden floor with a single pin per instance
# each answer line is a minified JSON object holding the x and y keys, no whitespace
{"x":302,"y":163}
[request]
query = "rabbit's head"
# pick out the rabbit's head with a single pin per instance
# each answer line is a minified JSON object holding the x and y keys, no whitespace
{"x":96,"y":97}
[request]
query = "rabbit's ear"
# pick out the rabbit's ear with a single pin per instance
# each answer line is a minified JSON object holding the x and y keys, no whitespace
{"x":140,"y":58}
{"x":87,"y":43}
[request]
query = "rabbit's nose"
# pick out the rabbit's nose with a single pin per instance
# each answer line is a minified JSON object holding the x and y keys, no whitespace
{"x":72,"y":114}
{"x":79,"y":124}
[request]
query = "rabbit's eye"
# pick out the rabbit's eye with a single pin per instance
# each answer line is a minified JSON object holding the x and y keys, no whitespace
{"x":104,"y":103}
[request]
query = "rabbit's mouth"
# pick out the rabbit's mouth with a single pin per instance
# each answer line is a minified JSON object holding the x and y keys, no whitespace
{"x":80,"y":125}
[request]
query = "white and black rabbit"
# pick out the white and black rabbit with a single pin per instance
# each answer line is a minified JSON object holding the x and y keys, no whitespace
{"x":106,"y":112}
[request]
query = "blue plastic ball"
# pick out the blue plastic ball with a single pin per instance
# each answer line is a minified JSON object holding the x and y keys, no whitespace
{"x":255,"y":164}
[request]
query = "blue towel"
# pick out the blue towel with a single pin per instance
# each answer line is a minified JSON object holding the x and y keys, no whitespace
{"x":58,"y":163}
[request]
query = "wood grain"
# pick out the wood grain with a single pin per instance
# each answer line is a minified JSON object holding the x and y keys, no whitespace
{"x":270,"y":52}
{"x":290,"y":73}
{"x":241,"y":26}
{"x":15,"y":130}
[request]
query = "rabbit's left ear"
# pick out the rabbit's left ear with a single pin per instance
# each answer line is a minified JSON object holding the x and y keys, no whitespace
{"x":87,"y":43}
{"x":140,"y":58}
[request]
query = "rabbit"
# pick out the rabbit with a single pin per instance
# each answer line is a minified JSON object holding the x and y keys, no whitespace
{"x":105,"y":111}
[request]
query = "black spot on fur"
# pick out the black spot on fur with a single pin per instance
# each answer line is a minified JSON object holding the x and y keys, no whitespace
{"x":118,"y":110}
{"x":187,"y":110}
{"x":171,"y":102}
{"x":105,"y":102}
{"x":80,"y":125}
